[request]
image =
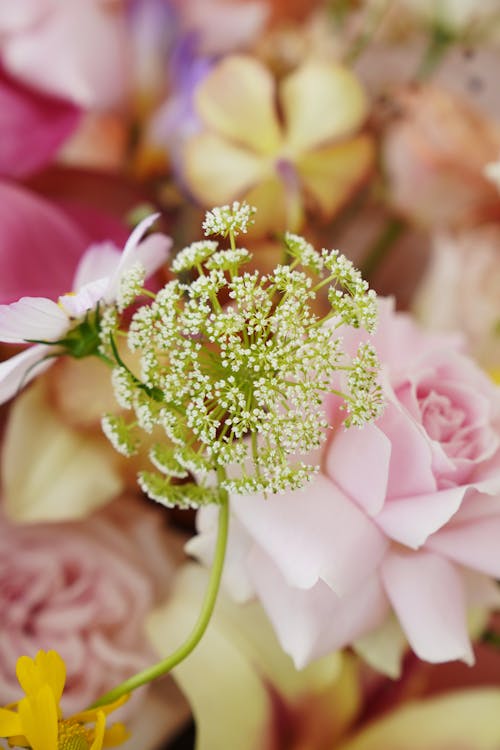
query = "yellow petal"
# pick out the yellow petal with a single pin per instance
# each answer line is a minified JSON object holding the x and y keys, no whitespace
{"x":91,"y":714}
{"x":218,"y":172}
{"x":330,"y":175}
{"x":236,"y":100}
{"x":115,"y":735}
{"x":50,"y":471}
{"x":38,"y":715}
{"x":467,"y":720}
{"x":100,"y":725}
{"x":273,"y":215}
{"x":321,"y":102}
{"x":47,"y":668}
{"x":10,"y":723}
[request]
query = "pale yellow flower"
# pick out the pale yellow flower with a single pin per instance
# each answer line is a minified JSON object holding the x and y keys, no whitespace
{"x":280,"y":147}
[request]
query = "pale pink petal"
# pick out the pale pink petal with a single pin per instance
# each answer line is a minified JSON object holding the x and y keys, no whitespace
{"x":76,"y":305}
{"x":17,"y":371}
{"x":29,"y":118}
{"x":314,"y":622}
{"x":32,"y":319}
{"x":22,"y":13}
{"x":411,"y":520}
{"x":368,"y":488}
{"x":411,"y":470}
{"x":314,"y":533}
{"x":39,"y":246}
{"x":154,"y":255}
{"x":428,"y":597}
{"x":78,"y":50}
{"x":474,"y":544}
{"x":98,"y":261}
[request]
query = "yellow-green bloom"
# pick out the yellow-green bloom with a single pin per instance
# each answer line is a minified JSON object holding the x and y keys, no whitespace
{"x":36,"y":721}
{"x":281,"y":148}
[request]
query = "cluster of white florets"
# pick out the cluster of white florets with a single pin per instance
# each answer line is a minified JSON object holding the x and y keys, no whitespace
{"x":237,"y":388}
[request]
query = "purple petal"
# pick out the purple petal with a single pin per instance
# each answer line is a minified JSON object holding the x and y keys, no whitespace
{"x":32,"y":127}
{"x":32,"y":318}
{"x":19,"y":370}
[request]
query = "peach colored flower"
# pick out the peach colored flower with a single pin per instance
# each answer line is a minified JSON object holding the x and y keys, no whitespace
{"x":314,"y":157}
{"x":434,"y":150}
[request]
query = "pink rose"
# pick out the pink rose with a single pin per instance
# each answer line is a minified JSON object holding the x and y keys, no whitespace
{"x":404,"y":516}
{"x":84,"y":589}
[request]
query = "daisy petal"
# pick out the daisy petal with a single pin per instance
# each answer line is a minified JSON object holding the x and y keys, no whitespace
{"x":236,"y":99}
{"x":10,"y":723}
{"x":98,"y":261}
{"x":156,"y":253}
{"x":321,"y":101}
{"x":32,"y":318}
{"x":217,"y":172}
{"x":19,"y":370}
{"x":330,"y":175}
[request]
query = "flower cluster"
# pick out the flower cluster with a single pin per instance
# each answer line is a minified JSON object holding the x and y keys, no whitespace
{"x":234,"y":366}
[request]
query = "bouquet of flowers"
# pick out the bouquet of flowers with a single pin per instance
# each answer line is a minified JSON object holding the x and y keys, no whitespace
{"x":250,"y":374}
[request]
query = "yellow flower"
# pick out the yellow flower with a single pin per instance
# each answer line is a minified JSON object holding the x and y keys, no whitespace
{"x":36,"y":721}
{"x":278,"y":149}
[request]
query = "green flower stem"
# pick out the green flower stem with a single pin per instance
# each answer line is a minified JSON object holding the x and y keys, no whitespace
{"x":390,"y":233}
{"x":439,"y":43}
{"x":166,"y":665}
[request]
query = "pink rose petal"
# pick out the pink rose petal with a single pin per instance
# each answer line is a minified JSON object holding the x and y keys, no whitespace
{"x":428,"y":597}
{"x":324,"y":529}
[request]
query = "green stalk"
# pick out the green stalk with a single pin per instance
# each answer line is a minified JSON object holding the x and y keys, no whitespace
{"x":181,"y":653}
{"x":390,"y":233}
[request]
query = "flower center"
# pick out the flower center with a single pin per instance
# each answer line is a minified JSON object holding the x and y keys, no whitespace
{"x":73,"y":736}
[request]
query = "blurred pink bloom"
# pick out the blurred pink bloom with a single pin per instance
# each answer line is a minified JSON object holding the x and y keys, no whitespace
{"x":76,"y":50}
{"x":404,"y":516}
{"x":32,"y":127}
{"x":435,"y":149}
{"x":84,"y":589}
{"x":97,"y":280}
{"x":461,"y":289}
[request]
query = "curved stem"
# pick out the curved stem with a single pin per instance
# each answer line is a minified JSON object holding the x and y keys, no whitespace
{"x":390,"y":233}
{"x":166,"y":665}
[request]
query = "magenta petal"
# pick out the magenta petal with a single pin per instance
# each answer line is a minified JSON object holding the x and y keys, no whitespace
{"x":428,"y":597}
{"x":20,"y":369}
{"x":32,"y":127}
{"x":314,"y":533}
{"x":313,"y":622}
{"x":39,"y":246}
{"x":474,"y":544}
{"x":411,"y":520}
